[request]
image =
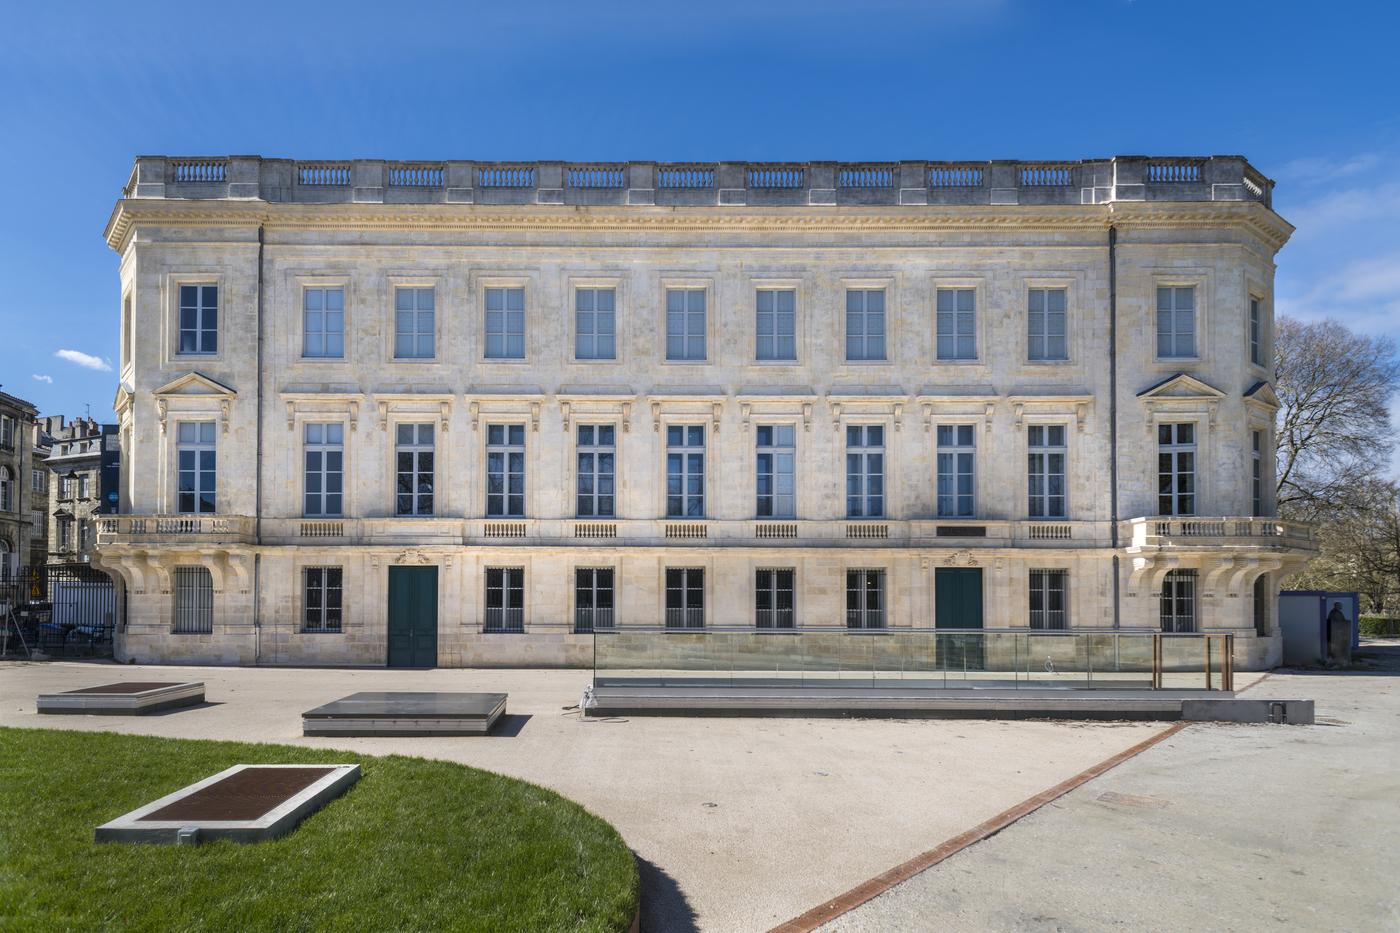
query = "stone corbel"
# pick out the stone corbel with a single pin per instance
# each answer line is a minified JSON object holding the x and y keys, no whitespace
{"x":158,"y":575}
{"x":836,"y":413}
{"x":1141,"y":567}
{"x":223,"y":415}
{"x":383,"y":415}
{"x":1151,"y":421}
{"x":1210,"y":418}
{"x":806,"y":416}
{"x":291,"y":415}
{"x":1160,"y":568}
{"x":239,"y":565}
{"x":1228,"y":565}
{"x":898,"y":415}
{"x":990,"y":410}
{"x":716,"y":409}
{"x":1081,"y":412}
{"x":744,"y":410}
{"x":354,"y":415}
{"x":928,"y":417}
{"x":656,"y":417}
{"x":564,"y":412}
{"x":445,"y":413}
{"x":626,"y":417}
{"x":211,"y":562}
{"x":535,"y":416}
{"x":162,"y":409}
{"x":1251,"y":570}
{"x":474,"y":409}
{"x":1018,"y":410}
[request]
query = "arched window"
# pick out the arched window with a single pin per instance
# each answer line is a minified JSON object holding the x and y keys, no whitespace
{"x":7,"y":489}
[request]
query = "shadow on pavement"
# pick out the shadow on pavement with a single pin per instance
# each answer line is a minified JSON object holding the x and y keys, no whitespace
{"x":1368,"y":660}
{"x":509,"y":725}
{"x":664,"y":905}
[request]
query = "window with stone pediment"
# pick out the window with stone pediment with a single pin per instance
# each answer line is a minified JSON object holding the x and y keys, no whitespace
{"x":414,"y":463}
{"x":597,"y":467}
{"x":323,"y":456}
{"x":865,"y":471}
{"x":775,"y":470}
{"x":1176,"y":468}
{"x":685,"y":471}
{"x":505,"y":470}
{"x":196,"y":467}
{"x":957,"y":459}
{"x":1045,"y":470}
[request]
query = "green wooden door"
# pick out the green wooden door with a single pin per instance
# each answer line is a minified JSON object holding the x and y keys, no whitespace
{"x":413,"y":616}
{"x":957,"y":604}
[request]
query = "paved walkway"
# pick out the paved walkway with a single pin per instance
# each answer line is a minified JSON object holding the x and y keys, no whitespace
{"x":1216,"y":828}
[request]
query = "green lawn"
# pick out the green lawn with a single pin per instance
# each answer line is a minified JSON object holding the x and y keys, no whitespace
{"x":415,"y":845}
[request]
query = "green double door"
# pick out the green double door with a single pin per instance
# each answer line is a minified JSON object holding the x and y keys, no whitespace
{"x":413,"y":616}
{"x":957,"y":604}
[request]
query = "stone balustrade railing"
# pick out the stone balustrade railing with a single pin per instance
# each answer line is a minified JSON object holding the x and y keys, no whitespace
{"x":175,"y":529}
{"x":373,"y":181}
{"x":1149,"y":532}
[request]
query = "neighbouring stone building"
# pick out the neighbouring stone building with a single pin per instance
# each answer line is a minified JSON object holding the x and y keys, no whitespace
{"x":464,"y":413}
{"x":84,"y":467}
{"x":17,"y":515}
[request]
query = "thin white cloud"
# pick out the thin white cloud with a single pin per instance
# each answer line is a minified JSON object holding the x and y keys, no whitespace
{"x":39,"y":377}
{"x":85,"y":360}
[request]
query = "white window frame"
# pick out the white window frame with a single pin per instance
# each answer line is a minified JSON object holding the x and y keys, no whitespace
{"x":686,"y":450}
{"x":1174,"y":333}
{"x":323,"y":449}
{"x":708,"y":292}
{"x":863,"y":452}
{"x":956,"y":450}
{"x":1045,"y":450}
{"x":506,"y":449}
{"x":576,"y":332}
{"x":416,"y":288}
{"x":595,"y":449}
{"x":780,"y":504}
{"x":1176,"y":448}
{"x":1257,"y":458}
{"x":889,"y":286}
{"x":956,"y":289}
{"x":503,"y":292}
{"x":325,"y":332}
{"x":198,"y":446}
{"x":179,"y":284}
{"x":771,"y":291}
{"x":1045,"y":313}
{"x":416,"y":448}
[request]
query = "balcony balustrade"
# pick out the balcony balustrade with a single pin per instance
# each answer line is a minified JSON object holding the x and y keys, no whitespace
{"x":1209,"y":532}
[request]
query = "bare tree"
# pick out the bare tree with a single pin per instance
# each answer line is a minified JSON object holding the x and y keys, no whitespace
{"x":1360,"y":549}
{"x":1334,"y":434}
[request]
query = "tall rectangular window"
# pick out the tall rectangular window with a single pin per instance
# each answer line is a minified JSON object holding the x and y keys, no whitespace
{"x":324,"y":469}
{"x":865,"y":471}
{"x":1178,"y":601}
{"x":957,"y":487}
{"x":323,"y":323}
{"x":7,"y":432}
{"x":1045,"y":325}
{"x":865,"y":599}
{"x":505,"y":323}
{"x":199,"y":319}
{"x":1045,"y":470}
{"x":597,"y":468}
{"x":1256,"y":465}
{"x":595,"y":324}
{"x":1176,"y":469}
{"x":414,"y":468}
{"x":321,"y":602}
{"x":505,"y":599}
{"x":1256,"y":325}
{"x":772,"y":598}
{"x":957,"y":324}
{"x":865,"y":325}
{"x":414,"y":323}
{"x":1176,"y":322}
{"x":39,"y":480}
{"x":194,"y":600}
{"x":685,"y":597}
{"x":685,"y":324}
{"x":776,"y":324}
{"x":65,"y":533}
{"x":83,"y":486}
{"x":196,"y":465}
{"x":685,"y":471}
{"x":1049,"y":603}
{"x":505,"y":470}
{"x":777,"y":452}
{"x":593,"y":599}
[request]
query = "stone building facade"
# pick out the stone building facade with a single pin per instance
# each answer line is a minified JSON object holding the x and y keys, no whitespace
{"x":461,"y":413}
{"x":84,"y":467}
{"x":17,"y":517}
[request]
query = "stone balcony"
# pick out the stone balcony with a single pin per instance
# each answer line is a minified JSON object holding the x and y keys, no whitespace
{"x":175,"y":529}
{"x":644,"y":184}
{"x":1156,"y":534}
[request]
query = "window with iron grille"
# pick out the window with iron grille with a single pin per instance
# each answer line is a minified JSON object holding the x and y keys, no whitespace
{"x":957,"y":456}
{"x":773,"y":602}
{"x":322,"y":597}
{"x":685,"y":471}
{"x":1178,"y":610}
{"x":1176,"y":322}
{"x":415,"y":326}
{"x":865,"y":471}
{"x":323,"y":473}
{"x":1176,"y":469}
{"x":595,"y":324}
{"x":505,"y":470}
{"x":505,"y":599}
{"x":197,"y":467}
{"x":414,"y":469}
{"x":776,"y":324}
{"x":865,"y":325}
{"x":865,"y":599}
{"x":685,"y":597}
{"x":1256,"y":464}
{"x":685,"y":324}
{"x":1256,"y":327}
{"x":957,"y":324}
{"x":1045,"y":325}
{"x":597,"y":467}
{"x":777,"y":451}
{"x":1049,"y":599}
{"x":323,"y":323}
{"x":1045,"y":470}
{"x":593,"y":599}
{"x":199,"y":319}
{"x":505,"y":323}
{"x":194,"y":600}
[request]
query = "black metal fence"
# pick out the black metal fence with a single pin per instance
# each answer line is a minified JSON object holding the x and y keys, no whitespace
{"x":57,"y":611}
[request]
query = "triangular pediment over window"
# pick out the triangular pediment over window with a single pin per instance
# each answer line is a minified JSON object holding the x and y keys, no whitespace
{"x":1181,"y":386}
{"x":123,"y":398}
{"x":197,"y":384}
{"x":1261,"y":393}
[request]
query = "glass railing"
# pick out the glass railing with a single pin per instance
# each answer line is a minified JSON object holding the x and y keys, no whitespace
{"x":910,"y":658}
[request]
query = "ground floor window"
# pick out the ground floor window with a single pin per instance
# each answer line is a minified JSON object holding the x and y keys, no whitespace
{"x":194,"y":600}
{"x":321,"y":603}
{"x":1049,"y":599}
{"x":1179,"y":601}
{"x":772,"y":595}
{"x":865,"y":599}
{"x":685,"y":597}
{"x":505,"y":599}
{"x":593,"y":599}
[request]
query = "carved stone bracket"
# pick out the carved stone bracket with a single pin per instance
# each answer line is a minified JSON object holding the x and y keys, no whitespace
{"x":162,"y":409}
{"x":806,"y":416}
{"x":745,"y":409}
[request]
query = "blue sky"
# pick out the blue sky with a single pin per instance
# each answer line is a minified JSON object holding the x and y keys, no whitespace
{"x":1306,"y":91}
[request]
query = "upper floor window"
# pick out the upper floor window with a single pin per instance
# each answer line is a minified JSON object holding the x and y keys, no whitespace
{"x":1045,"y":470}
{"x":777,"y":450}
{"x":126,"y":332}
{"x":1256,"y":464}
{"x":865,"y":325}
{"x":65,"y":487}
{"x":685,"y":471}
{"x":1256,"y":332}
{"x":865,"y":471}
{"x":415,"y":326}
{"x":7,"y":490}
{"x":83,"y":491}
{"x":413,"y":467}
{"x":957,"y":324}
{"x":597,"y":467}
{"x":505,"y":470}
{"x":776,"y":324}
{"x":1176,"y":322}
{"x":7,"y":431}
{"x":324,"y":457}
{"x":65,"y":534}
{"x":39,"y":480}
{"x":595,"y":324}
{"x":323,"y":323}
{"x":1176,"y":469}
{"x":957,"y":496}
{"x":196,"y":466}
{"x":1045,"y":325}
{"x":505,"y":323}
{"x":199,"y":319}
{"x":685,"y":324}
